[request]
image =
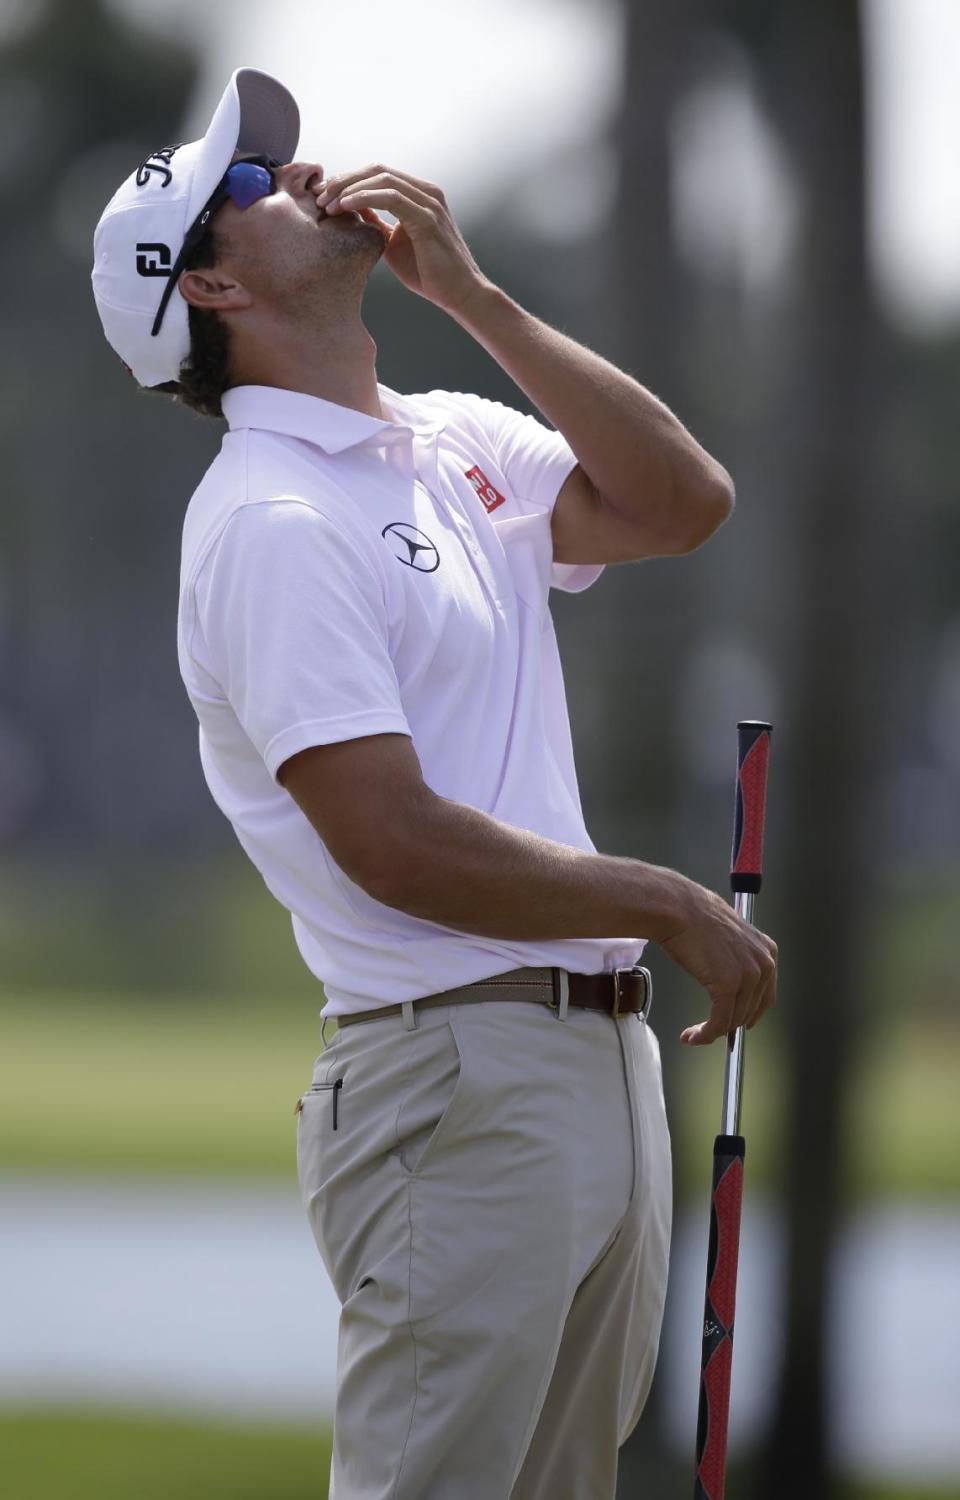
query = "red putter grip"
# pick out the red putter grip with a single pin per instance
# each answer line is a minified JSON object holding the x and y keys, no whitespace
{"x":718,"y":1318}
{"x":753,"y":755}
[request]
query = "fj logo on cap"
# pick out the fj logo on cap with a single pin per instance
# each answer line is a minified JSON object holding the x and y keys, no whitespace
{"x":154,"y":260}
{"x":491,"y":497}
{"x":157,"y":161}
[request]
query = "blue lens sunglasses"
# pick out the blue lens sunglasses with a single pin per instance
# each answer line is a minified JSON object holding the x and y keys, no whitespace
{"x":243,"y":183}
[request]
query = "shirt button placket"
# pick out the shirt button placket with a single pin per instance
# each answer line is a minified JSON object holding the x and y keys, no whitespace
{"x":425,"y":458}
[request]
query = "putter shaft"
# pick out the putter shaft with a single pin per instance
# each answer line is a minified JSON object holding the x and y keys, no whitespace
{"x":733,"y":1070}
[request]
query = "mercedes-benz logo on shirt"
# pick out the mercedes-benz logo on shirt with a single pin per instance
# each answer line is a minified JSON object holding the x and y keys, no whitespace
{"x":412,"y":547}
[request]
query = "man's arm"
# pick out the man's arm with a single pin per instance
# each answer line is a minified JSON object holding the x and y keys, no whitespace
{"x":643,"y":486}
{"x":446,"y":862}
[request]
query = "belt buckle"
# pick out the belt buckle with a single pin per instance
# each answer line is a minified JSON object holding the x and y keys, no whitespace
{"x":644,"y":1010}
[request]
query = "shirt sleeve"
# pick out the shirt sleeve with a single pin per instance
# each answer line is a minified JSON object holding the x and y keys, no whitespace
{"x":535,"y":460}
{"x":293,"y":621}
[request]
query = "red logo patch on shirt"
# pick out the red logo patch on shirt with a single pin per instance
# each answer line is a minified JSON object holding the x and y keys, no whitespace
{"x":491,"y":497}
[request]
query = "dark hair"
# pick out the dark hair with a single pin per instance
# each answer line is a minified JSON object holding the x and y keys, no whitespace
{"x":205,"y":373}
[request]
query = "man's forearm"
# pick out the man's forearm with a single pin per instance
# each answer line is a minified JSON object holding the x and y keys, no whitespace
{"x":634,"y":450}
{"x":474,"y":873}
{"x":470,"y":872}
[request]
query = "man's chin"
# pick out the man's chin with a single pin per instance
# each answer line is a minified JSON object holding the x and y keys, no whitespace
{"x":346,"y":218}
{"x":349,"y":225}
{"x":371,"y":236}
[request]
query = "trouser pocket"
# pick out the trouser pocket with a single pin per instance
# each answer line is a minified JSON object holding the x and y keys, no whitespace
{"x":402,"y":1112}
{"x":434,"y":1085}
{"x":322,"y":1089}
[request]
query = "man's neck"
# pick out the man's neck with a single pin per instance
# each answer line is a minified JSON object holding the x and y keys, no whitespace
{"x":336,"y":364}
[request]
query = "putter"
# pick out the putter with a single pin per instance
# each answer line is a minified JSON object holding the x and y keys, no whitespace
{"x":746,"y":874}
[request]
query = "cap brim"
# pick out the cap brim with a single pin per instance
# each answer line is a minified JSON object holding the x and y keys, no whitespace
{"x":255,"y":114}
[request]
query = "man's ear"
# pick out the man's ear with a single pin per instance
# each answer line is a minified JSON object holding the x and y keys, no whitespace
{"x":214,"y":290}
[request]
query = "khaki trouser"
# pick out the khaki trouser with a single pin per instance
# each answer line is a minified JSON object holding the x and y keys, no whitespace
{"x":491,"y":1194}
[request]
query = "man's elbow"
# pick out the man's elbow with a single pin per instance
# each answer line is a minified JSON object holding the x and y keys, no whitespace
{"x":707,"y":504}
{"x":390,"y":883}
{"x":396,"y":870}
{"x":380,"y":853}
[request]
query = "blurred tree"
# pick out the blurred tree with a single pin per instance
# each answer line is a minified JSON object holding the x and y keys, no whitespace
{"x":645,"y":315}
{"x":89,"y":537}
{"x":808,"y":595}
{"x":809,"y":60}
{"x":98,"y":77}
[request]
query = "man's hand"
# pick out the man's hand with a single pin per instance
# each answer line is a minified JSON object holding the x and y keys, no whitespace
{"x":425,"y":249}
{"x":735,"y":964}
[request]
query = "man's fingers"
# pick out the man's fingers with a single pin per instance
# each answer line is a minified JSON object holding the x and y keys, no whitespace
{"x":767,"y":996}
{"x":372,"y":217}
{"x":409,"y":214}
{"x":766,"y":988}
{"x":755,"y":994}
{"x":703,"y":1034}
{"x":340,"y":180}
{"x":717,"y":1024}
{"x":735,"y":963}
{"x":744,"y":1004}
{"x":377,"y":178}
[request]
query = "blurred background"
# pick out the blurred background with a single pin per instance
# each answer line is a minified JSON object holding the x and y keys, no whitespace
{"x":755,"y":209}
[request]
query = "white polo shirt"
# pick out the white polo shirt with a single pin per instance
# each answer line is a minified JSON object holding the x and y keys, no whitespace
{"x":344,"y":576}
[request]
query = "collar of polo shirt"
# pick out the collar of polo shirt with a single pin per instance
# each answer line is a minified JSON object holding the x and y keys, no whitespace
{"x":331,"y":427}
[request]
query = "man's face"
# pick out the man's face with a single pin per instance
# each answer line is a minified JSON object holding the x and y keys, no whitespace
{"x":288,"y":254}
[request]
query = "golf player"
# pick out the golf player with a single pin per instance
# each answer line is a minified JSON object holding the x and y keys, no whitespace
{"x":365,"y":635}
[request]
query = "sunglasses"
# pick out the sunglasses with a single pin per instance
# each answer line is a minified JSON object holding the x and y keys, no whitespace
{"x":243,"y":183}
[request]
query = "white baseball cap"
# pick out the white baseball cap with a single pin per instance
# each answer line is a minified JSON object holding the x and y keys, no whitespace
{"x":142,"y":229}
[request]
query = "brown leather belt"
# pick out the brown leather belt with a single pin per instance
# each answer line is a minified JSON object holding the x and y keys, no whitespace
{"x":619,"y":992}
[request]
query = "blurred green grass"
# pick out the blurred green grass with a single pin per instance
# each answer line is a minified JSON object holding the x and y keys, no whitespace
{"x":111,"y":1456}
{"x":902,"y":1112}
{"x":55,"y":1451}
{"x":178,"y":1084}
{"x":158,"y":1017}
{"x":166,"y":1085}
{"x":147,"y":925}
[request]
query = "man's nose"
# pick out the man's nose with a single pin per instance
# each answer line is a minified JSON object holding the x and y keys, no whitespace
{"x":301,"y":176}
